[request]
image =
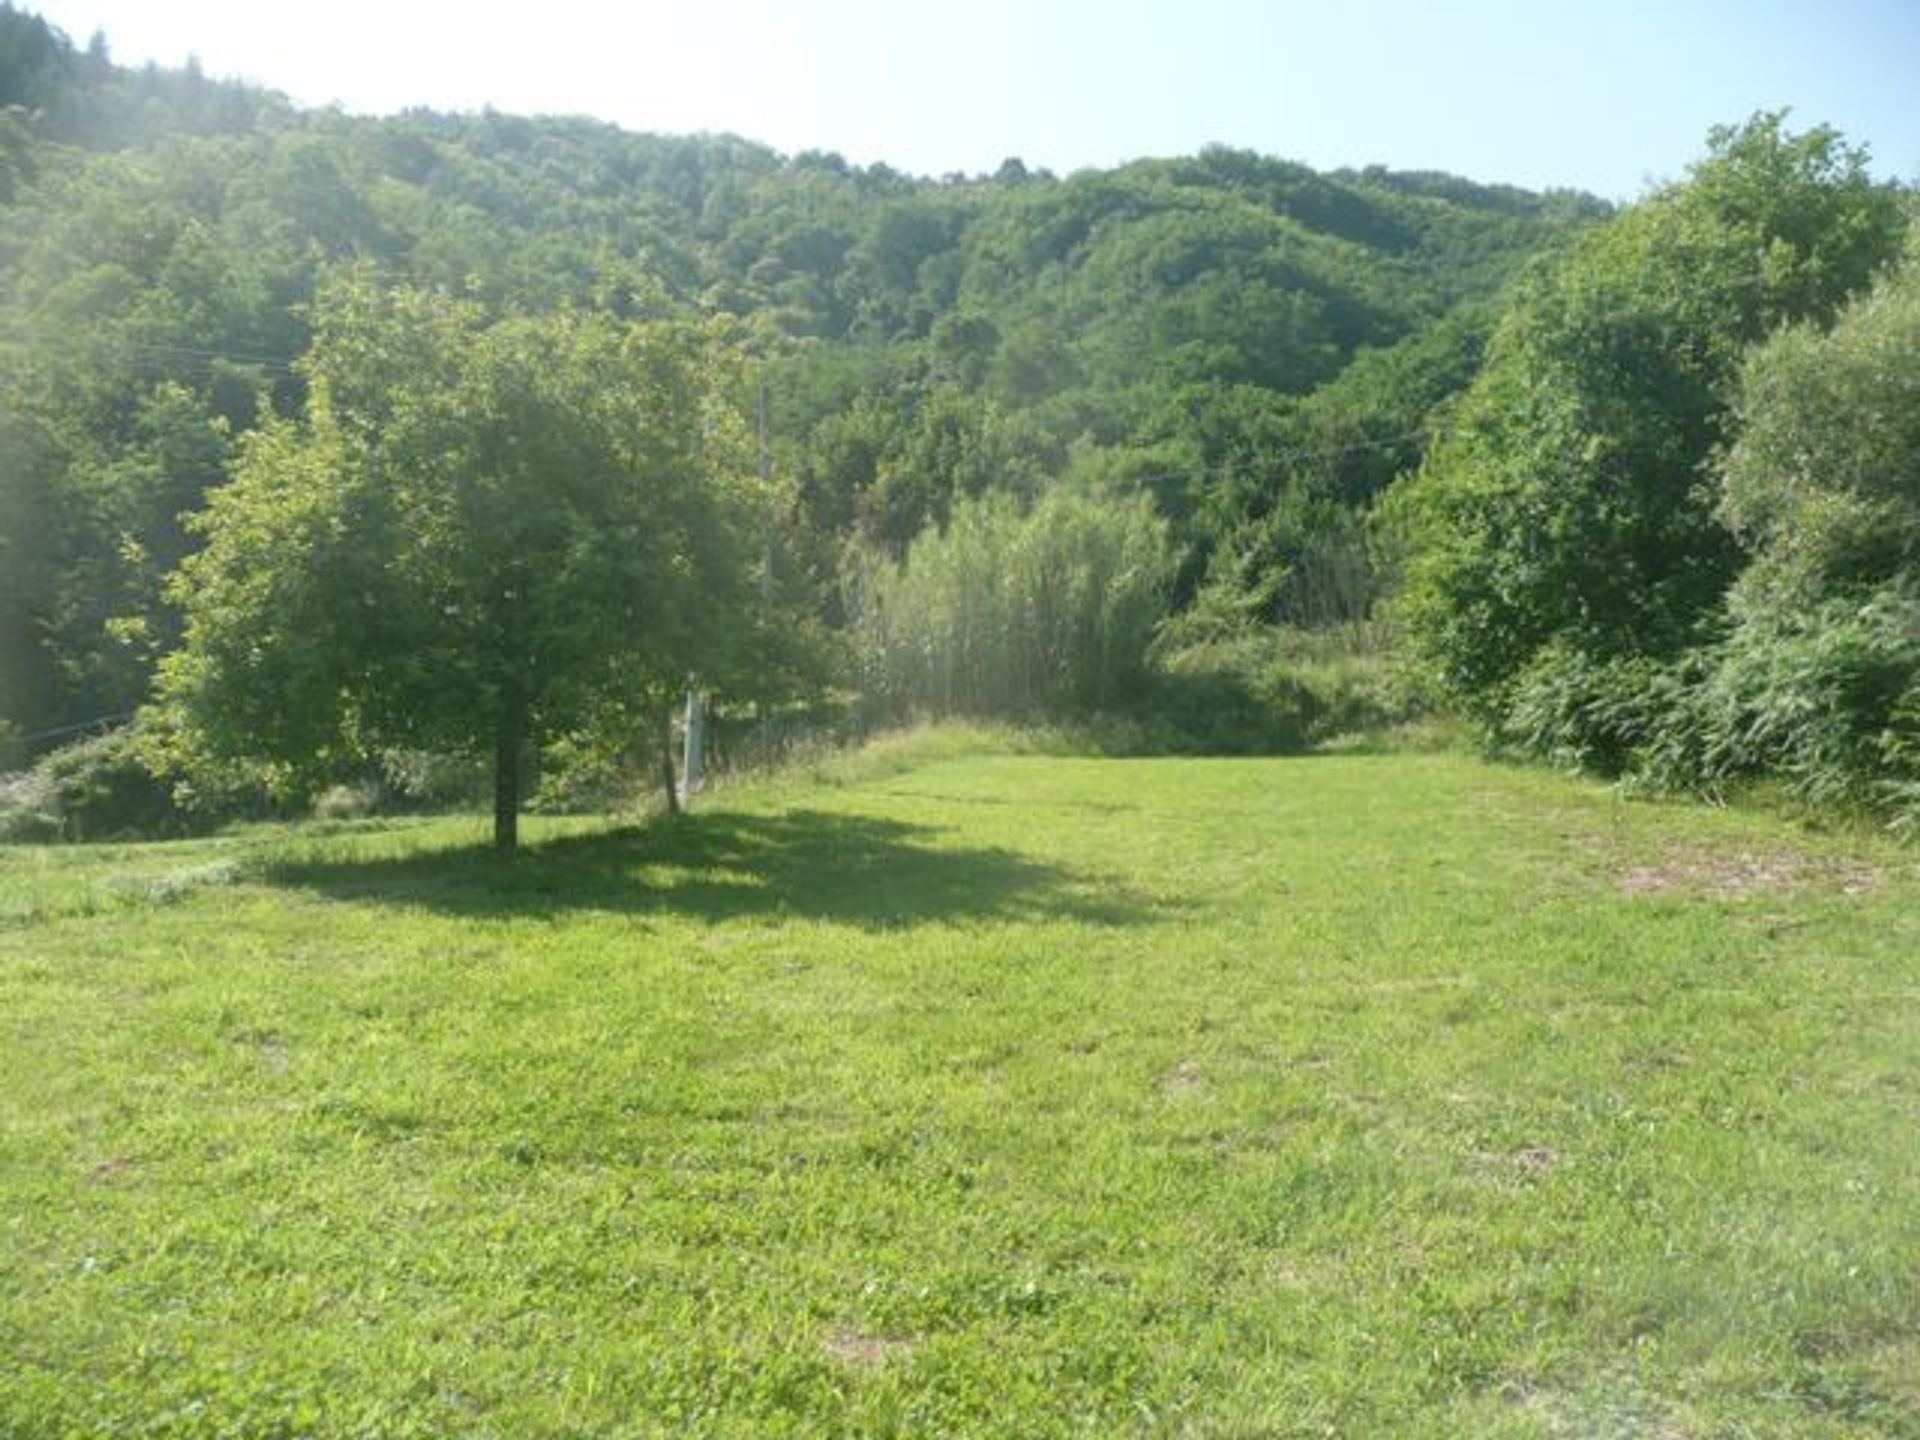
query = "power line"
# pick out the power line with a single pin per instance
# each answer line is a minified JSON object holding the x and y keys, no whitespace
{"x":1282,"y":459}
{"x":21,"y":335}
{"x":102,"y":723}
{"x":1259,"y":468}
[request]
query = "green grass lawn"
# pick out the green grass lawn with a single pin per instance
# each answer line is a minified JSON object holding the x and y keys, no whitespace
{"x":987,"y":1094}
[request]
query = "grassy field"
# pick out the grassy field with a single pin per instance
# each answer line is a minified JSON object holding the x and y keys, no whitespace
{"x":973,"y":1094}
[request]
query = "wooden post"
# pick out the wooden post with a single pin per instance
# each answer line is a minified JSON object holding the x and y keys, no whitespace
{"x":669,"y":787}
{"x":508,"y":735}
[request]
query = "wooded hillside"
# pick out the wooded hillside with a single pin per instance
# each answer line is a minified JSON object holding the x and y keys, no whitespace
{"x":1255,"y":345}
{"x":1633,"y":491}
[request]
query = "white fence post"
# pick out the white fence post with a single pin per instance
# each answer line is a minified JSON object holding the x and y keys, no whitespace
{"x":690,"y":758}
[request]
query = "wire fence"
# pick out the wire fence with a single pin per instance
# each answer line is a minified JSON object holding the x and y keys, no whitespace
{"x":38,"y":742}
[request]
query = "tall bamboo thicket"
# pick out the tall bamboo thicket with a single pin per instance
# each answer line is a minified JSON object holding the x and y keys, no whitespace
{"x":1012,"y":612}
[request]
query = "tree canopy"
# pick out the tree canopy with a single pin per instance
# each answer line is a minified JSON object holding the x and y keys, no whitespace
{"x":481,"y":531}
{"x":1566,"y":513}
{"x":1170,"y":323}
{"x":393,"y":388}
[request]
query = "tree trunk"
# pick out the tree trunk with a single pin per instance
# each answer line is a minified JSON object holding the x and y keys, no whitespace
{"x":509,"y":735}
{"x":666,"y":762}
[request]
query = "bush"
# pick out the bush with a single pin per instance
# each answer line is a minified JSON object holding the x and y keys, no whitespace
{"x":29,"y":807}
{"x":1276,"y":691}
{"x":1048,"y":612}
{"x":347,"y":802}
{"x":1202,"y":708}
{"x":593,"y":774}
{"x":1583,"y":713}
{"x":99,"y":789}
{"x":433,"y":780}
{"x":1829,"y":699}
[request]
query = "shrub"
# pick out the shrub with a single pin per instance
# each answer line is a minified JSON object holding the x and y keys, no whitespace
{"x":1583,"y":713}
{"x":347,"y":802}
{"x":433,"y":780}
{"x":587,"y":774}
{"x":101,"y":789}
{"x":1200,"y":702}
{"x":1817,"y":677}
{"x":29,"y":807}
{"x":1046,"y":612}
{"x":1280,"y":691}
{"x":1829,"y":698}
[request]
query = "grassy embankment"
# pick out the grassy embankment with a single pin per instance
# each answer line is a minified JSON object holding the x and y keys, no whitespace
{"x":973,"y":1094}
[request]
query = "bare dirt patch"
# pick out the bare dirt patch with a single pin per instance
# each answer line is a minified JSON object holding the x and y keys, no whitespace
{"x":1743,"y":874}
{"x":1530,"y":1162}
{"x":110,"y":1170}
{"x":1183,"y":1079}
{"x":864,"y":1352}
{"x":1620,"y":1413}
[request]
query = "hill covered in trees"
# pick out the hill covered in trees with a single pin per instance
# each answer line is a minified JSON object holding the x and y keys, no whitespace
{"x":1255,"y":345}
{"x":1634,"y":490}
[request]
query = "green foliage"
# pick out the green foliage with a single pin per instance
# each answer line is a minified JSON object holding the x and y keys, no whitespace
{"x":1007,"y":613}
{"x":111,"y":618}
{"x":1822,"y":482}
{"x":82,"y":97}
{"x":483,"y":531}
{"x":926,"y":339}
{"x":1817,"y":679}
{"x":1607,"y":716}
{"x":592,"y":773}
{"x":1207,"y":700}
{"x":1275,"y":691}
{"x":897,"y":457}
{"x":346,"y":802}
{"x":1565,"y":510}
{"x":431,"y":780}
{"x":1824,"y":700}
{"x":93,"y":789}
{"x":29,"y":807}
{"x":1826,"y":696}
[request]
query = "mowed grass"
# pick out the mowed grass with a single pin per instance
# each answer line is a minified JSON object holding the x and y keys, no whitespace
{"x":993,"y":1095}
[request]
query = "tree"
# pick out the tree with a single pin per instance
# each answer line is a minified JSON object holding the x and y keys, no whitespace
{"x":927,"y":339}
{"x":1823,"y":481}
{"x":1565,"y":517}
{"x":1818,"y":676}
{"x":27,"y":680}
{"x":481,"y":532}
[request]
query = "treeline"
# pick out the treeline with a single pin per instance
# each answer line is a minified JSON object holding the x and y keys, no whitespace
{"x":1218,"y":332}
{"x":1000,"y":432}
{"x":1674,"y":531}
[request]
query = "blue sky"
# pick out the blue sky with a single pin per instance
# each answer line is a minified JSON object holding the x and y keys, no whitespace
{"x":1601,"y":96}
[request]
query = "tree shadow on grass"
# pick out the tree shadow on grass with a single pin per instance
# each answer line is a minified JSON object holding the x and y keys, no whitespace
{"x":807,"y":864}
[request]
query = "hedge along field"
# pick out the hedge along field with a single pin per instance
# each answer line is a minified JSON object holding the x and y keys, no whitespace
{"x":985,"y":1094}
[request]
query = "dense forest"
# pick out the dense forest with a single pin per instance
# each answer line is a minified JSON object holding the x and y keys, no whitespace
{"x":1638,"y":491}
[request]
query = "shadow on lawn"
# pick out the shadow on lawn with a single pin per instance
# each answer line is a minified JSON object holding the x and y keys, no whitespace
{"x":853,"y":869}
